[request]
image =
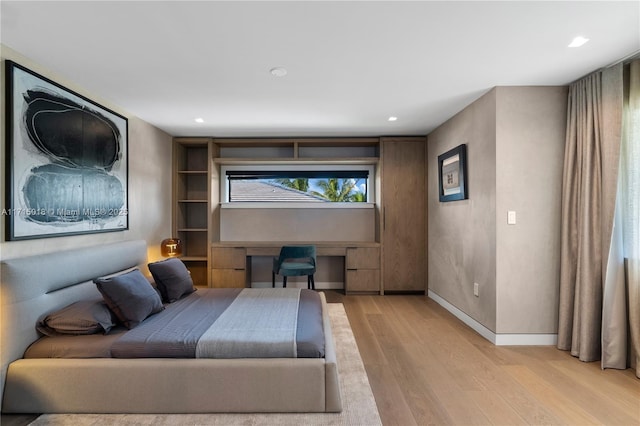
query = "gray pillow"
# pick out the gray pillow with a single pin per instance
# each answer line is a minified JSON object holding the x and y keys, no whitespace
{"x":172,"y":278}
{"x":82,"y":317}
{"x":130,"y":296}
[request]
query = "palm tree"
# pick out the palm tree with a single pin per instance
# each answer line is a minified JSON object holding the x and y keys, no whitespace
{"x":358,"y":197}
{"x":300,"y":184}
{"x":332,"y":190}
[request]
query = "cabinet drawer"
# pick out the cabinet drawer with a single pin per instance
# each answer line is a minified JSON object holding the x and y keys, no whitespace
{"x":225,"y":278}
{"x":362,"y":280}
{"x":363,"y":258}
{"x":228,"y":258}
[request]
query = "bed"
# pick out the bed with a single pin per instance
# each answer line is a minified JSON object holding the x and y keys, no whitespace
{"x":34,"y":286}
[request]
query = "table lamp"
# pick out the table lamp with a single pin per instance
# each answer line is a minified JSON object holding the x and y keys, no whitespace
{"x":171,"y":247}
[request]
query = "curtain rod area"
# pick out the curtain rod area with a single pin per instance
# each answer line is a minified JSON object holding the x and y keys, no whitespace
{"x":630,"y":57}
{"x":624,"y":60}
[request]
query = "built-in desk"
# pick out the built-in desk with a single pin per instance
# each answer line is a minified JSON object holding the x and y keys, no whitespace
{"x":231,"y":261}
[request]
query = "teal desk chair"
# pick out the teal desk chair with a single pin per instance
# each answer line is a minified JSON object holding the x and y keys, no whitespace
{"x":295,"y":261}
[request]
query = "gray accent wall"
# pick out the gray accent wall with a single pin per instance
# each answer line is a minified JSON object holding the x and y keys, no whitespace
{"x":149,"y":181}
{"x":297,"y":224}
{"x":462,"y":234}
{"x":530,"y":138}
{"x":515,"y":150}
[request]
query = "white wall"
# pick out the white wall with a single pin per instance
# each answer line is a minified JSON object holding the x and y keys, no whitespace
{"x":149,"y":180}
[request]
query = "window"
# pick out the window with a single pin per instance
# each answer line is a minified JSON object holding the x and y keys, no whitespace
{"x":317,"y":186}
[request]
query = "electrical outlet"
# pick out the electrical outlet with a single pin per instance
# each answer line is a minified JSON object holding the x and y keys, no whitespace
{"x":476,"y":290}
{"x":511,"y":217}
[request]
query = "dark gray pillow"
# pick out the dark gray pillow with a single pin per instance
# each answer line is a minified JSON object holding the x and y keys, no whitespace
{"x":82,"y":317}
{"x":172,"y":278}
{"x":130,"y":296}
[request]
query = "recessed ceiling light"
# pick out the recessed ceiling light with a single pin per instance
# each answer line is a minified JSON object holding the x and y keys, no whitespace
{"x":278,"y":71}
{"x":578,"y":41}
{"x":199,"y":120}
{"x":392,"y":118}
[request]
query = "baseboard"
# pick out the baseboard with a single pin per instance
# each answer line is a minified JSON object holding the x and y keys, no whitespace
{"x":526,"y":340}
{"x":496,"y":339}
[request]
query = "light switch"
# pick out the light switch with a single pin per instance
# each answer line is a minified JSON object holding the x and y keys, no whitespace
{"x":511,"y":217}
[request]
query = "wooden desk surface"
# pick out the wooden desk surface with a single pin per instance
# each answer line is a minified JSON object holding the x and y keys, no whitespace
{"x":230,"y":263}
{"x":272,"y":248}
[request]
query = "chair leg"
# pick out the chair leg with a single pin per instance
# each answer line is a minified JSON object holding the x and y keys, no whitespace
{"x":313,"y":282}
{"x":284,"y":282}
{"x":273,"y":279}
{"x":308,"y":281}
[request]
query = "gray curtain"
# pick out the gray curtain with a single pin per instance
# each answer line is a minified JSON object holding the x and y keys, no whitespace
{"x":592,"y":149}
{"x":631,"y":211}
{"x":621,"y":310}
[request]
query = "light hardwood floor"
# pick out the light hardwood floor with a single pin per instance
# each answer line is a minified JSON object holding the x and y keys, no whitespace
{"x":427,"y":367}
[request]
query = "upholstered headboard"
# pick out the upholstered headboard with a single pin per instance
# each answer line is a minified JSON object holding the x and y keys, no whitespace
{"x":36,"y":285}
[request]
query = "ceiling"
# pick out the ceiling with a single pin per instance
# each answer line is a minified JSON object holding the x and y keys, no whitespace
{"x":350,"y":65}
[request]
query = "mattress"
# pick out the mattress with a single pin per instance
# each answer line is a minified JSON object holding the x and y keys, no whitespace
{"x":174,"y":332}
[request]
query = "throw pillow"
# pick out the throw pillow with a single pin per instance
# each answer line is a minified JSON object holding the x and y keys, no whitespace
{"x":172,"y":279}
{"x":130,"y":296}
{"x":82,"y":317}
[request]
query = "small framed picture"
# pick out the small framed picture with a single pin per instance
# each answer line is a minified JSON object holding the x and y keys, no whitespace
{"x":452,"y":174}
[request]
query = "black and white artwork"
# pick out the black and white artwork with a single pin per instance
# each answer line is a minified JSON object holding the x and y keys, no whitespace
{"x":67,"y":161}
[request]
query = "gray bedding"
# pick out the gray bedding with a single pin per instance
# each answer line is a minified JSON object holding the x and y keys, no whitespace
{"x":260,"y":323}
{"x":174,"y":332}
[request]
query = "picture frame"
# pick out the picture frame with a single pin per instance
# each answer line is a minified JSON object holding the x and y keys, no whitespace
{"x":66,"y":162}
{"x":452,"y":174}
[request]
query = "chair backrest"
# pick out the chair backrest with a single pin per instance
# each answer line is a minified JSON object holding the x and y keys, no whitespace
{"x":297,"y":252}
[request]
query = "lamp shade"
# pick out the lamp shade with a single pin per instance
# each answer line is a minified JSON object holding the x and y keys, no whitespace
{"x":171,"y":247}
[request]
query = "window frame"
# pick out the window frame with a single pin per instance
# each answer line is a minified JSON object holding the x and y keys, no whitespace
{"x":224,"y":185}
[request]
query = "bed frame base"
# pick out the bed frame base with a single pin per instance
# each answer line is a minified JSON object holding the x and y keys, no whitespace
{"x":166,"y":386}
{"x":33,"y":286}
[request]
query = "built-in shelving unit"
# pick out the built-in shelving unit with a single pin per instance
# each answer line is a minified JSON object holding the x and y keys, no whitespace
{"x":298,"y":150}
{"x":399,"y":220}
{"x":192,"y":204}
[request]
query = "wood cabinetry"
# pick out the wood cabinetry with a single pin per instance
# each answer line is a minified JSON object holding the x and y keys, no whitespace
{"x":231,"y":261}
{"x":229,"y":267}
{"x":297,"y":150}
{"x":362,"y":265}
{"x":192,"y":204}
{"x":397,"y":242}
{"x":403,"y":233}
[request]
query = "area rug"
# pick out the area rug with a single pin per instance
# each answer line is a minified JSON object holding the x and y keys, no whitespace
{"x":359,"y":405}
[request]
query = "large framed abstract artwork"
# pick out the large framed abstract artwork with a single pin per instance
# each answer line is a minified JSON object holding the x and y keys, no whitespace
{"x":452,"y":174}
{"x":67,"y":159}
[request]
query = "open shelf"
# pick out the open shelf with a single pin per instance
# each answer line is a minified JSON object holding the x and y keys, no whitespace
{"x":298,"y":149}
{"x":191,"y":204}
